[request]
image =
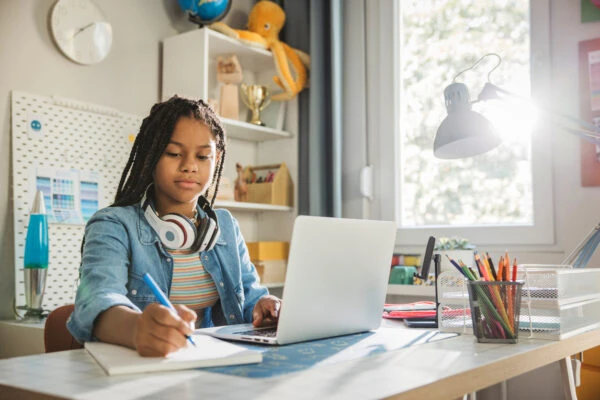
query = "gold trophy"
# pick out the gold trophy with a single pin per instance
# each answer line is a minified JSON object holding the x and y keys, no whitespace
{"x":256,"y":98}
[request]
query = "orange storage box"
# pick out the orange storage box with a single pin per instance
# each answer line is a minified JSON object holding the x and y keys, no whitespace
{"x":262,"y":251}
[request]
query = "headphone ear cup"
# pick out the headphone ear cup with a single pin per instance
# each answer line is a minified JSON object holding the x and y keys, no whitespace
{"x":210,"y":234}
{"x":209,"y":225}
{"x":169,"y":233}
{"x":215,"y":233}
{"x":178,"y":230}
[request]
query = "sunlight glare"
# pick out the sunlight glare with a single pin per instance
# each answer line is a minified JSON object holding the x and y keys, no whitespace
{"x":513,"y":119}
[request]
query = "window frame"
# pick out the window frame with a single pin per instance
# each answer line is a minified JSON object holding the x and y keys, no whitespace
{"x":381,"y":42}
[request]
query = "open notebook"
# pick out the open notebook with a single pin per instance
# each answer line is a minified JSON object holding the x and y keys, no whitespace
{"x":209,"y":352}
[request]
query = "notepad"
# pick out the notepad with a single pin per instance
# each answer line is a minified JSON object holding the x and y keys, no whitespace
{"x":209,"y":352}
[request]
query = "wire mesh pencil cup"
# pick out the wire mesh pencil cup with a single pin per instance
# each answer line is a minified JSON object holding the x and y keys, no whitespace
{"x":495,"y":308}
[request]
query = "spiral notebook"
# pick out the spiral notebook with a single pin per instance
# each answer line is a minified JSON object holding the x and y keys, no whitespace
{"x":209,"y":352}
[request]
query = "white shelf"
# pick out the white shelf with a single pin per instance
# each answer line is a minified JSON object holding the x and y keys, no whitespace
{"x":250,"y":57}
{"x":412,"y":290}
{"x":253,"y":133}
{"x":252,"y":207}
{"x":273,"y":285}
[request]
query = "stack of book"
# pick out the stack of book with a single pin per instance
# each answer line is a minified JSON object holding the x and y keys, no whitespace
{"x":407,"y":260}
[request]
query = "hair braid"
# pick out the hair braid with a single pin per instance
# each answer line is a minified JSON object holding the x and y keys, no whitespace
{"x":154,"y":136}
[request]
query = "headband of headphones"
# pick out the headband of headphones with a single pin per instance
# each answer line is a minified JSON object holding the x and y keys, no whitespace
{"x":178,"y":232}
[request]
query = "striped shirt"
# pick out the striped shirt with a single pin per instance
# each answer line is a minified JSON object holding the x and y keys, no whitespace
{"x":192,"y":286}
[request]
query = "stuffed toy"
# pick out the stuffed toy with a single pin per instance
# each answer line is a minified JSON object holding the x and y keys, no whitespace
{"x":264,"y":24}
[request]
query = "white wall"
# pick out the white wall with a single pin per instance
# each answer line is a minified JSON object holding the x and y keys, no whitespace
{"x":576,"y":208}
{"x":128,"y":79}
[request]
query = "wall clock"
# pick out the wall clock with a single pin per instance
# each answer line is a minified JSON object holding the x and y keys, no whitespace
{"x":81,"y":31}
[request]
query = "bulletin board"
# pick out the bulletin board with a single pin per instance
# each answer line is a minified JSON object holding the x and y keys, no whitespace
{"x":75,"y":153}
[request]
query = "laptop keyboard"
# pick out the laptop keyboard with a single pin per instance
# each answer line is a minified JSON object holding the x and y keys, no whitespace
{"x":267,"y":332}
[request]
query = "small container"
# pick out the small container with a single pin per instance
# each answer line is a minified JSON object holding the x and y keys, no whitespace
{"x":495,"y":308}
{"x":402,"y":275}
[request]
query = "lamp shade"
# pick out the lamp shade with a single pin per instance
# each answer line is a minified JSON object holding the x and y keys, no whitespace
{"x":464,"y":132}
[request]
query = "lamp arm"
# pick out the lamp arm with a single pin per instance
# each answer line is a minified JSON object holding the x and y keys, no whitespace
{"x":584,"y":129}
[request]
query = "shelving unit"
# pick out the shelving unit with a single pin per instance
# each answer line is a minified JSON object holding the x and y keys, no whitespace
{"x":189,"y":70}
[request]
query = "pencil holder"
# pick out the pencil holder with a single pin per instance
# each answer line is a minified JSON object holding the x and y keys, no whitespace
{"x":495,"y":308}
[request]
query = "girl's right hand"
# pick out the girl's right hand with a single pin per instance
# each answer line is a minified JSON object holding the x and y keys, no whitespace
{"x":159,"y":332}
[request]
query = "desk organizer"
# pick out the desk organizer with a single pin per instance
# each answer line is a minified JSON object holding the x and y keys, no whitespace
{"x":454,"y":314}
{"x":495,"y":310}
{"x":269,"y":184}
{"x":557,"y":301}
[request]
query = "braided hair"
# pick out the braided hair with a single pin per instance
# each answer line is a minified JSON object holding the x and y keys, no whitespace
{"x":154,"y":136}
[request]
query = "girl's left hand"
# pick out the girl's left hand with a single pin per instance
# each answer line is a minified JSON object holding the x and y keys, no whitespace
{"x":266,"y":311}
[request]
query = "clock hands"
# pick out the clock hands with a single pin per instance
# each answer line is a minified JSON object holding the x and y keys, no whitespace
{"x":84,"y":28}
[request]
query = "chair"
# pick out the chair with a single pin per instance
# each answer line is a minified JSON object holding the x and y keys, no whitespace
{"x":56,"y":335}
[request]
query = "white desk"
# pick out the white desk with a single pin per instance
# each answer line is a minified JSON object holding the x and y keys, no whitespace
{"x":19,"y":338}
{"x":440,"y":370}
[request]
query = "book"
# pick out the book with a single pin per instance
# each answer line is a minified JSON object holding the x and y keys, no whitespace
{"x":413,"y":260}
{"x":209,"y":352}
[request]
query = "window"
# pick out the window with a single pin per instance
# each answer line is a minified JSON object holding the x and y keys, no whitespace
{"x":438,"y":40}
{"x":498,"y":198}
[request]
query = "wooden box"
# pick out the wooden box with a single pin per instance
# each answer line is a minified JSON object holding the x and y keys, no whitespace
{"x":269,"y":184}
{"x":261,"y":251}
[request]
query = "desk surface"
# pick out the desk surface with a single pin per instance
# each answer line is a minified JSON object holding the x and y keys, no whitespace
{"x":439,"y":370}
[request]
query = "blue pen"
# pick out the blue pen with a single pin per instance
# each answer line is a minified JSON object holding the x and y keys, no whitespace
{"x":162,"y":298}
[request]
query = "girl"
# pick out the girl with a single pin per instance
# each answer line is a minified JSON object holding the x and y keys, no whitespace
{"x":161,"y":222}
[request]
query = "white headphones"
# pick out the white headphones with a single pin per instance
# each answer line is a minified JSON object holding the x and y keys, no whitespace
{"x":178,"y":232}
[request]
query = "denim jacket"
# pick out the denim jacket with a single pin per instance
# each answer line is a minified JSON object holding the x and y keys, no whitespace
{"x":120,"y":246}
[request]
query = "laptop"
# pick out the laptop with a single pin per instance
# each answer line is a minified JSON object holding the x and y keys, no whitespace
{"x":336,"y":282}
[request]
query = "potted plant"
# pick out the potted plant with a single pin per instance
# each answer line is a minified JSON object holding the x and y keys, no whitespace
{"x":457,"y":248}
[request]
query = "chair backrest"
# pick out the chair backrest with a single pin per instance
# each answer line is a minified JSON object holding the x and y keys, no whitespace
{"x":56,"y":335}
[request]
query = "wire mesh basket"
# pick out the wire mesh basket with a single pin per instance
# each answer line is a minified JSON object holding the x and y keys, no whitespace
{"x":551,"y":283}
{"x":454,"y":314}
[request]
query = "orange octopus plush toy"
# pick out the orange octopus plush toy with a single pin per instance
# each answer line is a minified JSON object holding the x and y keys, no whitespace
{"x":264,"y":24}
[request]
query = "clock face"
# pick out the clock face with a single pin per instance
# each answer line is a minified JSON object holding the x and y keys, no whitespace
{"x":81,"y":31}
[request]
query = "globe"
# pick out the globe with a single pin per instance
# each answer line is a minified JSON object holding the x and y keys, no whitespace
{"x":204,"y":12}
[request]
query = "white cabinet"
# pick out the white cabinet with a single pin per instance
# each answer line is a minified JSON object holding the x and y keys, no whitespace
{"x":189,"y":70}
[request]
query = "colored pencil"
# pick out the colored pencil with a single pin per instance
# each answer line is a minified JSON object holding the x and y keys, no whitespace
{"x":491,"y":264}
